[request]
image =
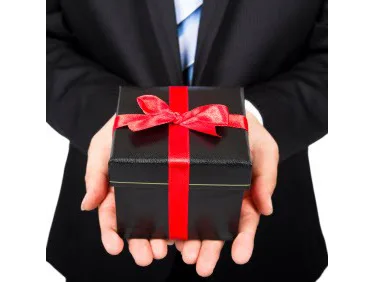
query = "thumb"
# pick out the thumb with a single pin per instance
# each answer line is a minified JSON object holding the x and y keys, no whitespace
{"x":265,"y":165}
{"x":96,"y":177}
{"x":97,"y":189}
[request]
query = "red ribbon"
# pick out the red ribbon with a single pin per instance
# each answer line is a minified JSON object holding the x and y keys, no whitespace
{"x":202,"y":119}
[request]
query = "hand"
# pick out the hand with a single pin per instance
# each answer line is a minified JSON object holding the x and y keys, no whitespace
{"x":100,"y":195}
{"x":256,"y":201}
{"x":264,"y":153}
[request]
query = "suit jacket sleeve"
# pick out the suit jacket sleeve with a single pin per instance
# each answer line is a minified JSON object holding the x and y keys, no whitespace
{"x":81,"y":95}
{"x":294,"y":104}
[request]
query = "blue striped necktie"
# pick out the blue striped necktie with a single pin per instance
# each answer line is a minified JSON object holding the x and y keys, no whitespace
{"x":188,"y":18}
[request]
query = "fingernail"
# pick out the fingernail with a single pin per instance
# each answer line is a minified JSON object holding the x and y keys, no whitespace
{"x":170,"y":242}
{"x":270,"y":206}
{"x":83,"y":202}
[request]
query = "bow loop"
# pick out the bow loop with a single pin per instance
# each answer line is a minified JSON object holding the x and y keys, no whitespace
{"x":151,"y":104}
{"x":214,"y":113}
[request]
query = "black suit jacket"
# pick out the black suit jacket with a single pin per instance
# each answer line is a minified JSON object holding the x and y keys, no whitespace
{"x":276,"y":49}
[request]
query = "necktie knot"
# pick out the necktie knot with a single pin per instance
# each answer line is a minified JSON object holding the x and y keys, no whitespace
{"x":188,"y":17}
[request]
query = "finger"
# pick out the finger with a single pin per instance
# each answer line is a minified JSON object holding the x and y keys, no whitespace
{"x":96,"y":177}
{"x":159,"y":248}
{"x":113,"y":244}
{"x":141,"y":251}
{"x":191,"y":251}
{"x":242,"y":246}
{"x":179,"y":245}
{"x":208,"y":257}
{"x":265,"y":166}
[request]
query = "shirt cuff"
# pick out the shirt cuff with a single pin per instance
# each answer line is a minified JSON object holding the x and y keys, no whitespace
{"x":253,"y":110}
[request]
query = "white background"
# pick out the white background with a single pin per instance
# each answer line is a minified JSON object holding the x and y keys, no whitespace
{"x":32,"y":155}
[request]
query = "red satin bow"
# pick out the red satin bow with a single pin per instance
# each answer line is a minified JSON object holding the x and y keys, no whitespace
{"x":202,"y":119}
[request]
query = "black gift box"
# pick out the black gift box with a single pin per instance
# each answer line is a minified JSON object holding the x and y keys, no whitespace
{"x":220,"y":170}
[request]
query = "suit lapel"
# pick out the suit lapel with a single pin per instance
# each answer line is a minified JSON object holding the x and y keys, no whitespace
{"x":162,"y":14}
{"x":211,"y":18}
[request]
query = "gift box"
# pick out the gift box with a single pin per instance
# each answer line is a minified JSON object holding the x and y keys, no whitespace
{"x":179,"y":162}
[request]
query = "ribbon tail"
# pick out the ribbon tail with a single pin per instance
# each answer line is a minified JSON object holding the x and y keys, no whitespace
{"x":207,"y":128}
{"x":238,"y":121}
